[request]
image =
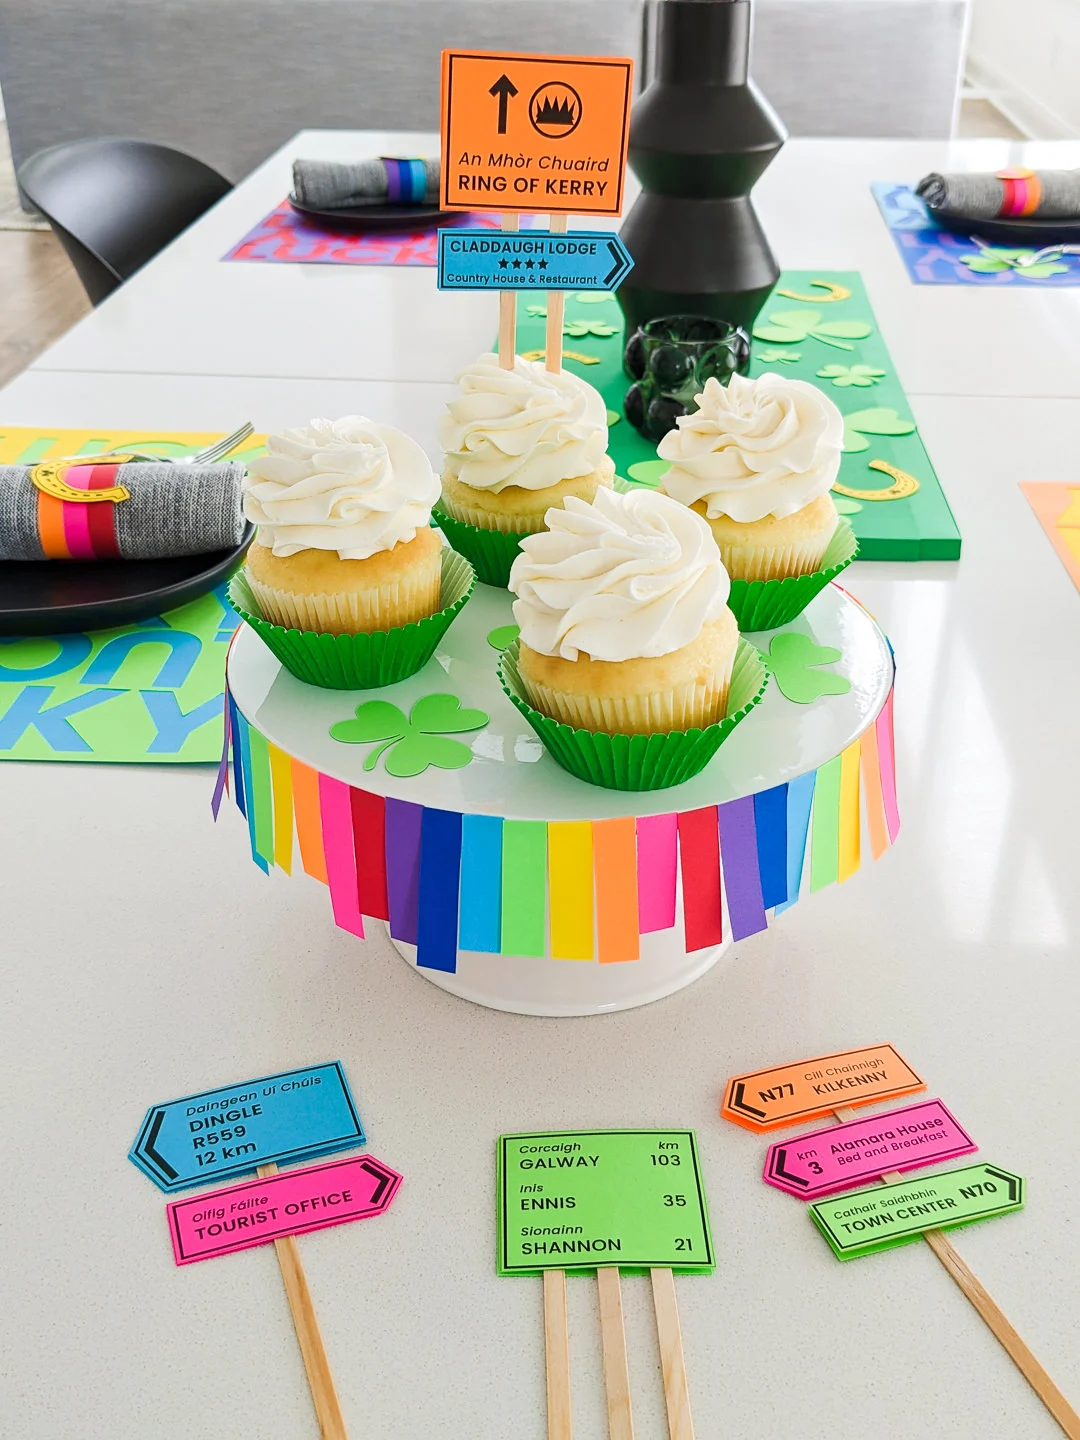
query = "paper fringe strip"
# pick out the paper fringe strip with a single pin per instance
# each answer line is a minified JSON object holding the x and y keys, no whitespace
{"x":588,"y":890}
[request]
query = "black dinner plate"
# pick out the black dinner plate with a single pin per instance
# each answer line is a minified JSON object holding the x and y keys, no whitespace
{"x":1032,"y":233}
{"x":378,"y":217}
{"x":51,"y":597}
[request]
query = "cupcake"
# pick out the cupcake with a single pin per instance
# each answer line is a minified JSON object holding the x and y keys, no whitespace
{"x":622,"y":606}
{"x":757,"y":459}
{"x":344,"y":544}
{"x":517,"y":444}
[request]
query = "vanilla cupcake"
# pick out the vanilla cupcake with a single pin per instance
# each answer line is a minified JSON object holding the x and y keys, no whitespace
{"x":622,"y":606}
{"x":518,"y":442}
{"x":344,"y":544}
{"x":757,"y":459}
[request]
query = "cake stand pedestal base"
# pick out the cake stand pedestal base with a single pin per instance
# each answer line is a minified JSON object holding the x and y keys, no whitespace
{"x":531,"y":985}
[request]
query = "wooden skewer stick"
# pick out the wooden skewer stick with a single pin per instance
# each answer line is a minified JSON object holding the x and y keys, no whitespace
{"x":556,"y":310}
{"x":508,"y":310}
{"x":557,"y":1349}
{"x":616,"y":1366}
{"x":672,"y":1360}
{"x":313,"y":1352}
{"x":988,"y":1309}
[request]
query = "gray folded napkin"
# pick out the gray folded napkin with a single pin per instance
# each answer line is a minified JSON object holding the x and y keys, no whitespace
{"x":388,"y":180}
{"x":1010,"y":194}
{"x":169,"y":510}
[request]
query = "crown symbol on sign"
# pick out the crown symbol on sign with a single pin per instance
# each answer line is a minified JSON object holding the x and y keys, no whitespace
{"x":561,"y":113}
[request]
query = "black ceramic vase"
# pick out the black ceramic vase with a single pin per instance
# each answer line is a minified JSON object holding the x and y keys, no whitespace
{"x":700,"y":137}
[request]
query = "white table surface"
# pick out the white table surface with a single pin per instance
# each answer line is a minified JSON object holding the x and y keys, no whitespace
{"x":189,"y":314}
{"x":146,"y":957}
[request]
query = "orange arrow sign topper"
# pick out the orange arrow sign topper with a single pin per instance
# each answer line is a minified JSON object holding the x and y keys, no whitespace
{"x":540,"y":133}
{"x":783,"y":1094}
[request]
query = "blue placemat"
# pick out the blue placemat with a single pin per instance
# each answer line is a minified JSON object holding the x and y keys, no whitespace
{"x":938,"y":257}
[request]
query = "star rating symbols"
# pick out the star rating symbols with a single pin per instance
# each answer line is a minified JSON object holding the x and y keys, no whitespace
{"x":541,"y":264}
{"x":528,"y":264}
{"x":517,"y":264}
{"x":502,"y":264}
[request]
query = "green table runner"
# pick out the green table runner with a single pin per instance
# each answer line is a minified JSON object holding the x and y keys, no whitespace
{"x":816,"y":326}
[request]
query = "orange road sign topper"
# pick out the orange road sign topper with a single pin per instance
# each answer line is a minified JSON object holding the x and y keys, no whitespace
{"x":784,"y":1094}
{"x":539,"y":133}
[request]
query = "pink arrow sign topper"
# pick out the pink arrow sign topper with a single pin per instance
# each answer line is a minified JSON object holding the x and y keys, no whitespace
{"x":287,"y":1204}
{"x":844,"y":1156}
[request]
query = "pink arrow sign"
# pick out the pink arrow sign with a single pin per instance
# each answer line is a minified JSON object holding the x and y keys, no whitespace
{"x":287,"y":1204}
{"x":844,"y":1156}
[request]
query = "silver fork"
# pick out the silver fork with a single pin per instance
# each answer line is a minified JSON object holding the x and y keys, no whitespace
{"x":1048,"y":252}
{"x":217,"y":451}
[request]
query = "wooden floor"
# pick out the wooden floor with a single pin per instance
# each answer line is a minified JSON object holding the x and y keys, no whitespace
{"x":981,"y":120}
{"x":42,"y":297}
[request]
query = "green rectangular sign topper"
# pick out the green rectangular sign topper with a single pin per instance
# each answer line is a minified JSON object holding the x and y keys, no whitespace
{"x":586,"y":1198}
{"x":867,"y":1221}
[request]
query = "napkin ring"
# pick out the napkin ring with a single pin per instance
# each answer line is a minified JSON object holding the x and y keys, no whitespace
{"x":72,"y":523}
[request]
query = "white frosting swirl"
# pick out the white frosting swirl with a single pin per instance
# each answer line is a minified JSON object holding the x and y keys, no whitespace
{"x":757,"y":447}
{"x":625,"y":577}
{"x":521,"y":427}
{"x":347,"y":485}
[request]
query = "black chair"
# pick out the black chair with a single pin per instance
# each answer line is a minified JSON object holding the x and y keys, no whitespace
{"x":114,"y":204}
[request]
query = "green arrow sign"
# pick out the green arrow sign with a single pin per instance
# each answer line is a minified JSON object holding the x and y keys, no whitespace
{"x":628,"y":1198}
{"x":866,"y":1221}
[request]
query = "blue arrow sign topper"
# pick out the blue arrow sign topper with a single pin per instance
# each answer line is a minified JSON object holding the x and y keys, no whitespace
{"x":531,"y":260}
{"x":298,"y":1115}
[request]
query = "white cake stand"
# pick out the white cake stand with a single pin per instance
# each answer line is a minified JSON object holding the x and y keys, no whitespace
{"x":512,"y":776}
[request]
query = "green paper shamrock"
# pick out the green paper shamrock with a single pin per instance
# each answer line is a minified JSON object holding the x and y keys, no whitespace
{"x":594,"y":297}
{"x":788,"y":327}
{"x":503,"y":636}
{"x":539,"y":310}
{"x":576,"y":329}
{"x":992,"y":259}
{"x":844,"y":375}
{"x":778,"y":357}
{"x":613,"y":417}
{"x":416,"y":742}
{"x":649,"y":472}
{"x":795,"y":661}
{"x":882,"y":420}
{"x":844,"y":506}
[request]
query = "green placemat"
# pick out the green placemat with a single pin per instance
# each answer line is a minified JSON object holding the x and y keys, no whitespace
{"x":796,"y":334}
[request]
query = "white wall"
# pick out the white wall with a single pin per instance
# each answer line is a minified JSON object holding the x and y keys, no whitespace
{"x":1026,"y":53}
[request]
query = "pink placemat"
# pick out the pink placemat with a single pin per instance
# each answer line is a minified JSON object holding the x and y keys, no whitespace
{"x":291,"y":238}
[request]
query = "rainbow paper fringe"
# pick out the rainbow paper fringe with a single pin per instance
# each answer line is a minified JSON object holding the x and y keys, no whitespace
{"x":588,"y":888}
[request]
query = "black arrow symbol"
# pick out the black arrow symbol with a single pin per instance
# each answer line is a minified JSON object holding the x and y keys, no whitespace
{"x":616,"y":269}
{"x":1010,"y":1180}
{"x":777,"y":1169}
{"x":504,"y":87}
{"x":152,"y":1154}
{"x":738,"y":1102}
{"x":384,"y":1178}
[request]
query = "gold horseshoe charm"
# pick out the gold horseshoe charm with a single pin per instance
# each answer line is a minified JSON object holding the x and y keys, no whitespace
{"x":48,"y":477}
{"x":577,"y":355}
{"x":903,"y":484}
{"x":836,"y":292}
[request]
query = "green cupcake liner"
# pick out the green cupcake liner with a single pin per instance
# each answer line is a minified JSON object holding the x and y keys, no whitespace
{"x":491,"y":552}
{"x":360,"y":662}
{"x":765,"y":604}
{"x":640,"y":762}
